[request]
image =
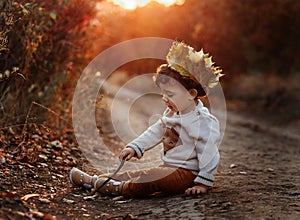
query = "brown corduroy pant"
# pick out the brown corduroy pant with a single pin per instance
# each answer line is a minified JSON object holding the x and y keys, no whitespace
{"x":163,"y":179}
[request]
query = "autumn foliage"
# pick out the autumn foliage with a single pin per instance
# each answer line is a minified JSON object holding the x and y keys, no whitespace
{"x":44,"y":45}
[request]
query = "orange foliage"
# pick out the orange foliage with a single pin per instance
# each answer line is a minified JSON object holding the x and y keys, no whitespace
{"x":243,"y":36}
{"x":49,"y":42}
{"x":43,"y":44}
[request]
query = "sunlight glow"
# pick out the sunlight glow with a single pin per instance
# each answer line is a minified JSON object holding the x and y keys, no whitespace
{"x":133,"y":4}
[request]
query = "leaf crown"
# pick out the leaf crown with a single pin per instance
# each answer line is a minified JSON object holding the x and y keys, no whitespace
{"x":194,"y":64}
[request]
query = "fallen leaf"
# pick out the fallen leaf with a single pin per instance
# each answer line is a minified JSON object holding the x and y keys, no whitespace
{"x":11,"y":131}
{"x":20,"y":213}
{"x":37,"y":214}
{"x":28,"y":196}
{"x":93,"y":197}
{"x":2,"y":160}
{"x":7,"y":194}
{"x":35,"y":136}
{"x":118,"y":198}
{"x":130,"y":216}
{"x":43,"y":200}
{"x":43,"y":164}
{"x":48,"y":217}
{"x":43,"y":156}
{"x":59,"y":175}
{"x":123,"y":201}
{"x":68,"y":201}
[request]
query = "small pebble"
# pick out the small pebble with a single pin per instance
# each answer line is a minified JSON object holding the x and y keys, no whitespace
{"x":232,"y":165}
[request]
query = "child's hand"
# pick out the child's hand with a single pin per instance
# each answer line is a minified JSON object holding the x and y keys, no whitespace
{"x":197,"y":189}
{"x":127,"y":153}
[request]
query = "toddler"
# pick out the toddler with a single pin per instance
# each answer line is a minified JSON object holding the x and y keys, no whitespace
{"x":189,"y":134}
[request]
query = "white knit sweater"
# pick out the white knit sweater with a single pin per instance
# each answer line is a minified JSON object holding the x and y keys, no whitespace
{"x":199,"y":133}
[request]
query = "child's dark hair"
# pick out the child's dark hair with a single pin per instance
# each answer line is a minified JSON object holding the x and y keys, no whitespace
{"x":164,"y":73}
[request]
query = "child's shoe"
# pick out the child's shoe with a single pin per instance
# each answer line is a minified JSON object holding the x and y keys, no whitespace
{"x":81,"y":179}
{"x":112,"y":187}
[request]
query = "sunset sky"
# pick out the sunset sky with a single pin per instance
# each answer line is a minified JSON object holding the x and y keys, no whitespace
{"x":133,"y":4}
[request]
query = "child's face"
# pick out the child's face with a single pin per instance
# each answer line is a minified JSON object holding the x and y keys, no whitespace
{"x":176,"y":97}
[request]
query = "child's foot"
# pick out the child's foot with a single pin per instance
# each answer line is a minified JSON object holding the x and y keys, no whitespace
{"x":81,"y":179}
{"x":112,"y":187}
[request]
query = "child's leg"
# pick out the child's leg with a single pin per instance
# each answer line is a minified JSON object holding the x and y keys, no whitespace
{"x":125,"y":175}
{"x":158,"y":179}
{"x":138,"y":183}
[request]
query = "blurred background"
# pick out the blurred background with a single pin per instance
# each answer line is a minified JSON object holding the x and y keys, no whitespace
{"x":45,"y":45}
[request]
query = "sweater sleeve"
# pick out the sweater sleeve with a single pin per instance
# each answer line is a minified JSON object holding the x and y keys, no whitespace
{"x":148,"y":139}
{"x":206,"y":133}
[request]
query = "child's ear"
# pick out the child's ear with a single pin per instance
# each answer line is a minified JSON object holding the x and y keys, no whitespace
{"x":193,"y":93}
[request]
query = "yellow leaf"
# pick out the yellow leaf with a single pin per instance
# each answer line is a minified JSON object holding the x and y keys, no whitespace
{"x":53,"y":15}
{"x":28,"y":196}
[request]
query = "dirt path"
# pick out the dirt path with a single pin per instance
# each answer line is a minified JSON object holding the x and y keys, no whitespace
{"x":258,"y":178}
